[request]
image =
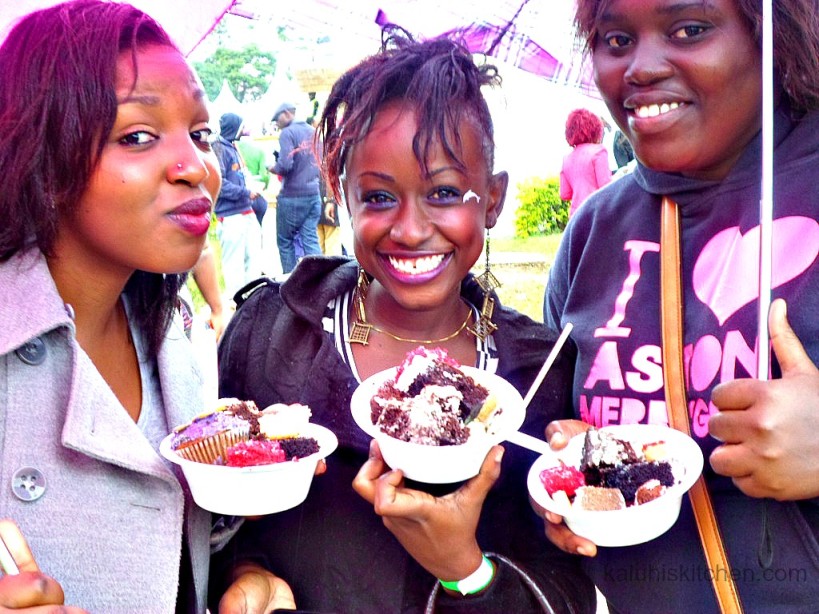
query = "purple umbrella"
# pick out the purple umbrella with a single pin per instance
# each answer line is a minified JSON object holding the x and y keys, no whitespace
{"x":513,"y":31}
{"x":187,"y":22}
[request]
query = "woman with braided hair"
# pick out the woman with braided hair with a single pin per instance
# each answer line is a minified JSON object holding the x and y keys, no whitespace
{"x":407,"y":145}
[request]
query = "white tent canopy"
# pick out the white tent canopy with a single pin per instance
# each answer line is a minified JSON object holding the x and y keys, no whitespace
{"x":225,"y":102}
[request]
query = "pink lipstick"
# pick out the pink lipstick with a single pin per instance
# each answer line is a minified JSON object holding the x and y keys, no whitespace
{"x":193,"y":216}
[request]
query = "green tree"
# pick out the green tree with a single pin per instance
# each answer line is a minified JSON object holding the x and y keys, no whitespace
{"x":248,"y":72}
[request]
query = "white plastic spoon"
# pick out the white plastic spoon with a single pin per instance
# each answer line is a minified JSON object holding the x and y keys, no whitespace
{"x":522,"y":439}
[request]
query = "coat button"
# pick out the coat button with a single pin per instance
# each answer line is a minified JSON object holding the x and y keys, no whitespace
{"x":28,"y":484}
{"x":32,"y":353}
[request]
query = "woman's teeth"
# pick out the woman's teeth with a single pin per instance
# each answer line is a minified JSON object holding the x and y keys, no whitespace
{"x":417,"y":265}
{"x":653,"y":110}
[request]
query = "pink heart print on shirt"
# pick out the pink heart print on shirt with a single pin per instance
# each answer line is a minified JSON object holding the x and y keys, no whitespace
{"x":726,"y":274}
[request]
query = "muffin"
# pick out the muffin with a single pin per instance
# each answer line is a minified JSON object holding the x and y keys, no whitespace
{"x":208,"y":436}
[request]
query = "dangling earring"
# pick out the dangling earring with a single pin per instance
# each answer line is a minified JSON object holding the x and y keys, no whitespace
{"x":488,"y":282}
{"x":360,"y":330}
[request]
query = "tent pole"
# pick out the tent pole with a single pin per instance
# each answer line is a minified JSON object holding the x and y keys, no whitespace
{"x":766,"y":201}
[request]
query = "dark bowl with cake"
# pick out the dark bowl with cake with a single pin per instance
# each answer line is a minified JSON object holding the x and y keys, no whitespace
{"x":619,"y":485}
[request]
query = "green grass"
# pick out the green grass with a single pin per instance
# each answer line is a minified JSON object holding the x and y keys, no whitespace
{"x":524,"y":284}
{"x":544,"y":244}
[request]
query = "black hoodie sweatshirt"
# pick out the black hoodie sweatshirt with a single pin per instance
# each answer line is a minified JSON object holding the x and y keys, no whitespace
{"x":605,"y":281}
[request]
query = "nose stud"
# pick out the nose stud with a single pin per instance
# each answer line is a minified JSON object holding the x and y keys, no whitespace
{"x":179,"y":166}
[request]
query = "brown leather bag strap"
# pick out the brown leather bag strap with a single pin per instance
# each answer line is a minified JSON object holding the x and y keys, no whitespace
{"x":671,"y":314}
{"x":677,"y":404}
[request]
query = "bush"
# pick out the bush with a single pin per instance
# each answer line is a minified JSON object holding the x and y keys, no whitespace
{"x":540,"y":210}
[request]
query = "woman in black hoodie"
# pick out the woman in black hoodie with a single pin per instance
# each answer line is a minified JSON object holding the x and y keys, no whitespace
{"x":683,"y":82}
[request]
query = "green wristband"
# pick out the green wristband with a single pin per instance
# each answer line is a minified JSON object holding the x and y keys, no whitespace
{"x":476,"y":581}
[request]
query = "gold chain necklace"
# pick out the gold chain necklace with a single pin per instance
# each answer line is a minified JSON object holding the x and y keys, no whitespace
{"x":426,"y":341}
{"x":360,"y":329}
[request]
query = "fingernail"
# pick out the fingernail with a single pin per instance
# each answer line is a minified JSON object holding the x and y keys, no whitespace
{"x":499,"y":455}
{"x":584,"y":550}
{"x":557,"y":438}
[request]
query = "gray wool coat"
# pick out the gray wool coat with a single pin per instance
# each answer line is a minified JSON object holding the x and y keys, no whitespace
{"x":102,"y":511}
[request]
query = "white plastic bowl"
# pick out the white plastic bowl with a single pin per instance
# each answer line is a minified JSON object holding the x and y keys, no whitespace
{"x":253,"y":491}
{"x":440,"y":464}
{"x":635,"y":524}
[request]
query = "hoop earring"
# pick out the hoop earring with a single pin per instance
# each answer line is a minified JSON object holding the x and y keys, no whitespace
{"x":488,"y":282}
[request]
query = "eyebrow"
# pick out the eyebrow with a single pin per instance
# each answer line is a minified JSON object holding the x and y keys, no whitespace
{"x":377,"y":175}
{"x":444,"y":169}
{"x":386,"y":177}
{"x":152,"y":100}
{"x":681,"y":6}
{"x":670,"y":9}
{"x":146,"y":100}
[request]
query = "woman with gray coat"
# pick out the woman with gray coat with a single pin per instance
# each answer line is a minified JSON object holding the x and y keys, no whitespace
{"x":106,"y":196}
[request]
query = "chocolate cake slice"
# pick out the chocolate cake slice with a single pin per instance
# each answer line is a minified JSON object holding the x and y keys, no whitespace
{"x":430,"y":400}
{"x":628,"y":478}
{"x":601,"y":453}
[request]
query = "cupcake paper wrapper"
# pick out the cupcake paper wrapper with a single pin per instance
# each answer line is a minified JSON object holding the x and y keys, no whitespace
{"x":209,"y":449}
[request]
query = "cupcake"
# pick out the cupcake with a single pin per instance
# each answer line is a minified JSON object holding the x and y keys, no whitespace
{"x":207,"y":437}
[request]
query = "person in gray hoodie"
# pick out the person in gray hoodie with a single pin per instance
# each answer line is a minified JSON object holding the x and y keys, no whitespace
{"x":237,"y":226}
{"x":683,"y":82}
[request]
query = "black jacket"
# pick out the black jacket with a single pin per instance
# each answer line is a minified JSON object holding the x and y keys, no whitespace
{"x":333,"y":550}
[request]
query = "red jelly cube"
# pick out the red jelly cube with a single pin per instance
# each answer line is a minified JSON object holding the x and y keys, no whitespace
{"x":252,"y":453}
{"x":562,"y":477}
